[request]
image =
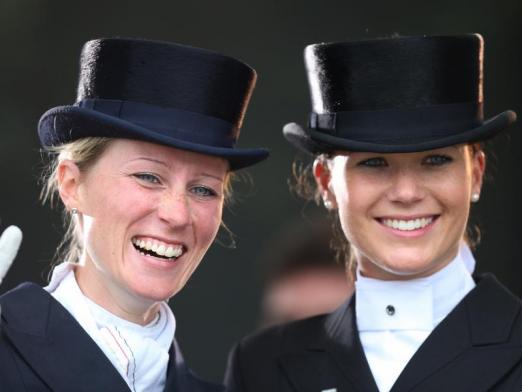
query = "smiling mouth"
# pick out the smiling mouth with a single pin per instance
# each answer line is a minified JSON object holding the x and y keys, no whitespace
{"x":158,"y":249}
{"x":408,"y":224}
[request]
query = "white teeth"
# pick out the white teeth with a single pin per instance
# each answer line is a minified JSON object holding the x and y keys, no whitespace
{"x":173,"y":251}
{"x":159,"y":249}
{"x":169,"y":252}
{"x":407,"y":225}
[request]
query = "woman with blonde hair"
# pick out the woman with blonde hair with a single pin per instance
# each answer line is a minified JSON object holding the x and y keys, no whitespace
{"x":142,"y":164}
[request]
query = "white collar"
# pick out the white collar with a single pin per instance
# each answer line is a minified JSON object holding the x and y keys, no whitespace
{"x":139,"y":353}
{"x":417,"y":304}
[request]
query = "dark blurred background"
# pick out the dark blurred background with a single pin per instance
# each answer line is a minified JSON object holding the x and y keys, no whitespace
{"x":41,"y":41}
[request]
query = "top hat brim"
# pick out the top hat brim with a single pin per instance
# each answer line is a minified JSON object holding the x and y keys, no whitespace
{"x":64,"y":124}
{"x":316,"y":142}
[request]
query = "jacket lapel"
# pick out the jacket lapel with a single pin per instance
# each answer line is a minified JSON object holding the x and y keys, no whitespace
{"x":177,"y":371}
{"x":54,"y":345}
{"x":181,"y":378}
{"x":470,"y":349}
{"x":332,"y":355}
{"x":345,"y":346}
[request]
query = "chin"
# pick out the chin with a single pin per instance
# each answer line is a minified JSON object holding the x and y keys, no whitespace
{"x":400,"y":265}
{"x":155,"y":292}
{"x":406,"y":272}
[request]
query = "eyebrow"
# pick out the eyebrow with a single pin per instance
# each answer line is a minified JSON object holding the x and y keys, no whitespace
{"x":221,"y":179}
{"x":149,"y":159}
{"x":203,"y":174}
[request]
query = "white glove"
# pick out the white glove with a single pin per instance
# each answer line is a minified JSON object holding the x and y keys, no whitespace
{"x":9,"y":244}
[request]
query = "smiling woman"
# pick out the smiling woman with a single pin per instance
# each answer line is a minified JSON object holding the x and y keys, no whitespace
{"x":395,"y":133}
{"x":405,"y":213}
{"x":168,"y":197}
{"x":141,"y":163}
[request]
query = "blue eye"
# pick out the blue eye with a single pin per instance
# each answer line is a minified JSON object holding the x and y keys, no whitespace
{"x":203,"y":191}
{"x":437,"y":160}
{"x":373,"y":162}
{"x":148,"y":177}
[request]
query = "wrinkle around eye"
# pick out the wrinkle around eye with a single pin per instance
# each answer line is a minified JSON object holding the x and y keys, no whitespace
{"x":204,"y":191}
{"x":148,"y":178}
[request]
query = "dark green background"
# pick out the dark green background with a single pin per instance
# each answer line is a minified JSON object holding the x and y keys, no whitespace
{"x":41,"y":41}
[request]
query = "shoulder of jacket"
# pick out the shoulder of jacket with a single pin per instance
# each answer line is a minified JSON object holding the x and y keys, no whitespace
{"x":283,"y":338}
{"x":22,"y":291}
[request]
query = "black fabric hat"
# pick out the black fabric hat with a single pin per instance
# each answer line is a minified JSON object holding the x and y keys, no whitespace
{"x":171,"y":94}
{"x":395,"y":95}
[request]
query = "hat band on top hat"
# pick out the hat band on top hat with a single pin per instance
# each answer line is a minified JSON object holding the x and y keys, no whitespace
{"x":179,"y":124}
{"x":380,"y":125}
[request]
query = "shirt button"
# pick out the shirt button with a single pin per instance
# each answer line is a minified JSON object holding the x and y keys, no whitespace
{"x":390,"y":310}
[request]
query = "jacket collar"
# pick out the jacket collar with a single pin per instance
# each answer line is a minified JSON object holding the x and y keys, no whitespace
{"x":478,"y":333}
{"x":56,"y":347}
{"x":325,"y":353}
{"x":485,"y":319}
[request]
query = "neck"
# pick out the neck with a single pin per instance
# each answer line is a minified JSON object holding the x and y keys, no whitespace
{"x":113,"y":299}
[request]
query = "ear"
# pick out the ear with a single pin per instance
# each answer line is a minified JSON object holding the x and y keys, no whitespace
{"x":323,"y":177}
{"x":68,"y":177}
{"x":478,"y":169}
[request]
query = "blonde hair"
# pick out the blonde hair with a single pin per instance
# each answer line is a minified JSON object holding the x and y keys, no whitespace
{"x":84,"y":153}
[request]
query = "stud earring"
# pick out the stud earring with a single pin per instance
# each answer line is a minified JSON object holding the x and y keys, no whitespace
{"x":475,"y":197}
{"x":328,"y":204}
{"x":74,"y":211}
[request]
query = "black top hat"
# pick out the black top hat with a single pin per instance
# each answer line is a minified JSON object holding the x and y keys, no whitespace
{"x":395,"y":95}
{"x":171,"y":94}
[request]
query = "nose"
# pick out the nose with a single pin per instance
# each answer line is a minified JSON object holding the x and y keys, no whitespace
{"x":175,"y":210}
{"x":405,"y":188}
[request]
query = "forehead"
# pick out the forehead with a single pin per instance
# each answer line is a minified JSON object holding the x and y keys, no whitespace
{"x":125,"y":151}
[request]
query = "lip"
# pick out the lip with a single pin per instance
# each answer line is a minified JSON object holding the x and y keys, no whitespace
{"x":408,"y":233}
{"x":155,"y":262}
{"x":164,"y":240}
{"x":407,"y":217}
